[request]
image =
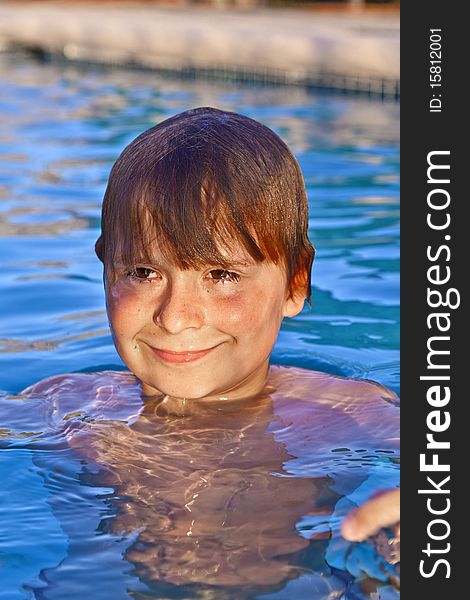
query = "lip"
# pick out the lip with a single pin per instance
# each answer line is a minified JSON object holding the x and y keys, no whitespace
{"x":185,"y":356}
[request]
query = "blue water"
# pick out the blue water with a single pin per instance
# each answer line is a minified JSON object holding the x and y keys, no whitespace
{"x":62,"y":128}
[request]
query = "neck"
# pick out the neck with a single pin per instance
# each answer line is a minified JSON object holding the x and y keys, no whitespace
{"x":251,"y":386}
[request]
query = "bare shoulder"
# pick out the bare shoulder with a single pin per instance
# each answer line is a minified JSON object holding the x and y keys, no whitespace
{"x":354,"y":410}
{"x":319,"y":387}
{"x":79,"y":381}
{"x":100,"y":393}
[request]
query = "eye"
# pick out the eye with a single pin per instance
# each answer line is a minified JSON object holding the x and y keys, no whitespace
{"x":144,"y":274}
{"x":224,"y":276}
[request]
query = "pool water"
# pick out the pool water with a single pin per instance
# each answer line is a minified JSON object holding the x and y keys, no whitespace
{"x":70,"y":530}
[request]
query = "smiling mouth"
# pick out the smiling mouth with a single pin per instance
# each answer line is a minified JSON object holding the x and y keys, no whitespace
{"x":181,"y":357}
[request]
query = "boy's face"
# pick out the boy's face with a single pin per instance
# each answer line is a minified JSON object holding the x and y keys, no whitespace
{"x":199,"y":333}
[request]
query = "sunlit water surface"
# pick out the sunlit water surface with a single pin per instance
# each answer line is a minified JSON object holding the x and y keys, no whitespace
{"x":72,"y":530}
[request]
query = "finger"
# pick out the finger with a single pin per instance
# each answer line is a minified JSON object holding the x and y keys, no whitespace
{"x":381,"y":511}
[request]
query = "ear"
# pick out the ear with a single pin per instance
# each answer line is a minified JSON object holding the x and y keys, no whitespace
{"x":296,"y":298}
{"x":293,"y":306}
{"x":99,"y":248}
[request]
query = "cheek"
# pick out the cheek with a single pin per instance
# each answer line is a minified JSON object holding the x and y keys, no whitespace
{"x":248,"y":313}
{"x":125,"y":309}
{"x":233,"y":311}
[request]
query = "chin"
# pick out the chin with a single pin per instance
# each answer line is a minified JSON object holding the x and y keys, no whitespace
{"x":189,"y":391}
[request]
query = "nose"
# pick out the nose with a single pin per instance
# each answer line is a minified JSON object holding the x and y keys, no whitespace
{"x":181,"y":307}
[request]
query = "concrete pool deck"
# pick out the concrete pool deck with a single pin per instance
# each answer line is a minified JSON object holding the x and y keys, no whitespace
{"x":348,"y":51}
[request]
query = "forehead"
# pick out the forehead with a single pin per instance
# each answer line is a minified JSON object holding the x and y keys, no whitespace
{"x":189,"y":228}
{"x":231,"y":252}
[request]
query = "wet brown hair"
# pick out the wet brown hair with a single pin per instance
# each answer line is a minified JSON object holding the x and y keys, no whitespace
{"x":199,"y":181}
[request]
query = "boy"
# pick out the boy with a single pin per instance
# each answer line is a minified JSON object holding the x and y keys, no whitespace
{"x":205,"y":251}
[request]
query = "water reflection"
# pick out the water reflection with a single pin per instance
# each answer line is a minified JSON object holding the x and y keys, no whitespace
{"x":205,"y":499}
{"x":211,"y":502}
{"x":17,"y":345}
